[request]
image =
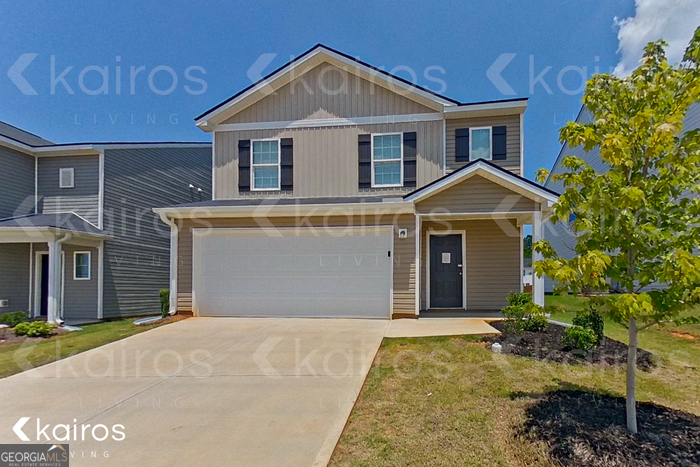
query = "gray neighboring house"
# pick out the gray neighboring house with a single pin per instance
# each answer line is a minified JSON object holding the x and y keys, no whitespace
{"x":78,"y":237}
{"x":560,"y":235}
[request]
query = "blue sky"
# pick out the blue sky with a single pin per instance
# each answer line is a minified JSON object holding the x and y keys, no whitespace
{"x":225,"y":38}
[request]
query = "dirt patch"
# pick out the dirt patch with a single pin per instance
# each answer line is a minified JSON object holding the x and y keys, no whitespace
{"x":7,"y":336}
{"x":548,"y":346}
{"x":585,"y":429}
{"x":683,"y":335}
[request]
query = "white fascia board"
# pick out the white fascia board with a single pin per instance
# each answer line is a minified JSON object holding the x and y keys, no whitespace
{"x":516,"y":107}
{"x":330,"y":122}
{"x":289,"y":210}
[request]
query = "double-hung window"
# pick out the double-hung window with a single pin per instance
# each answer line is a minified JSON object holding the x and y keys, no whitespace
{"x":387,"y":160}
{"x":265,"y":167}
{"x":480,"y":143}
{"x":81,"y":265}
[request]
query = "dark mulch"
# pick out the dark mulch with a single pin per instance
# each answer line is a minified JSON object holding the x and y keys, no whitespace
{"x":548,"y":346}
{"x":7,"y":336}
{"x":584,"y":429}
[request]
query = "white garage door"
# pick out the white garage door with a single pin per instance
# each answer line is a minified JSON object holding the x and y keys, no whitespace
{"x":293,"y":272}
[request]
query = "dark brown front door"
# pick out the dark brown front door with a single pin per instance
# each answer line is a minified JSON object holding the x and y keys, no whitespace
{"x":446,"y":271}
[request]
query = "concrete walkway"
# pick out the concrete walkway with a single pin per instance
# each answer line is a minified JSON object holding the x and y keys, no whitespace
{"x":204,"y":392}
{"x":430,"y":327}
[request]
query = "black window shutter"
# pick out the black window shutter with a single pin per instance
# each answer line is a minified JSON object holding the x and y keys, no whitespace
{"x":498,"y":143}
{"x":364,"y":157}
{"x":244,"y":165}
{"x":462,"y":145}
{"x":287,"y":162}
{"x":409,"y":158}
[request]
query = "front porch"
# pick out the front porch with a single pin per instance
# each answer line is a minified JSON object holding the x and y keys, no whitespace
{"x":52,"y":267}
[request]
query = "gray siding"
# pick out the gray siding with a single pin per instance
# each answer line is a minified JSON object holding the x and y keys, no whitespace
{"x":327,"y":91}
{"x":136,"y":262}
{"x":325,"y":159}
{"x":16,"y":183}
{"x":83,"y":199}
{"x":14,"y":276}
{"x":512,"y":124}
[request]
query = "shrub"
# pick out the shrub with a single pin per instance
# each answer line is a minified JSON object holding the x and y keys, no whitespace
{"x":580,"y":338}
{"x":536,"y":322}
{"x":34,"y":329}
{"x":164,"y":302}
{"x":591,"y":319}
{"x":519,"y":298}
{"x":523,"y":315}
{"x":13,"y":319}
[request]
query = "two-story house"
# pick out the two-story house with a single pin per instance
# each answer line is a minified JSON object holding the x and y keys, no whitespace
{"x":78,"y":238}
{"x":340,"y":190}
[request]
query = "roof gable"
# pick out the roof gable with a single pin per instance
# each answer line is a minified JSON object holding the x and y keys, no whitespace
{"x":308,"y":61}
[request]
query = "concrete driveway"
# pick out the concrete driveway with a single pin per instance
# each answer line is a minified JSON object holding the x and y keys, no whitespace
{"x":204,"y":391}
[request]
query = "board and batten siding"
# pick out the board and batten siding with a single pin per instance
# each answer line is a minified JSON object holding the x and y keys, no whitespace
{"x":327,"y":91}
{"x":512,"y":124}
{"x":136,"y":261}
{"x":14,"y":276}
{"x":476,"y":194}
{"x":326,"y":159}
{"x":79,"y":296}
{"x":403,"y":255}
{"x":83,"y":199}
{"x":492,"y":261}
{"x":16,"y":183}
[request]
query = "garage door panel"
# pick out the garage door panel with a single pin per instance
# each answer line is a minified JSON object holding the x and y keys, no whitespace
{"x":295,"y":273}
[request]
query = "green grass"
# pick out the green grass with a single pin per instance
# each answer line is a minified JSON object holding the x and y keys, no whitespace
{"x":448,"y":401}
{"x":56,"y":348}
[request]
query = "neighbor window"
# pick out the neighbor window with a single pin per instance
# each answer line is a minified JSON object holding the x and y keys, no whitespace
{"x":480,"y":143}
{"x":387,"y":160}
{"x":66,"y":178}
{"x":81,"y":265}
{"x":265,"y":173}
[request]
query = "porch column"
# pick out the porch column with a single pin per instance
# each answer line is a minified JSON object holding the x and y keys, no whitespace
{"x":53,"y":313}
{"x":537,"y":281}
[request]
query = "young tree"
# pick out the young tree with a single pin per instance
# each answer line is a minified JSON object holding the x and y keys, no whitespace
{"x":639,"y":222}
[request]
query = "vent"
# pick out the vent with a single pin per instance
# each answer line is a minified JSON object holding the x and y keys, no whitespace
{"x":66,"y":178}
{"x":4,"y":303}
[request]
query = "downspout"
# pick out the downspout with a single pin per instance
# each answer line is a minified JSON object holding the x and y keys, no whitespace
{"x":173,"y":261}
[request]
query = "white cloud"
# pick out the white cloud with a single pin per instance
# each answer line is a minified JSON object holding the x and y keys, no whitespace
{"x":672,"y":20}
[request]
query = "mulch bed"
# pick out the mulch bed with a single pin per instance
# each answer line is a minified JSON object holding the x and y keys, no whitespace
{"x":7,"y":336}
{"x":584,"y":429}
{"x":548,"y":346}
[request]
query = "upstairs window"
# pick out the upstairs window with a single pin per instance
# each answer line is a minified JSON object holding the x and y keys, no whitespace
{"x":480,"y":143}
{"x":66,"y":178}
{"x":387,"y":160}
{"x":81,"y":266}
{"x":265,"y":173}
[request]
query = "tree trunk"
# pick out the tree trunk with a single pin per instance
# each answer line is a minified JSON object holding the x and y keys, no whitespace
{"x":631,"y":370}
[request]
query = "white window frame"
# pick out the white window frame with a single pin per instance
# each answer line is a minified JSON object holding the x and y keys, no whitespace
{"x":278,"y":165}
{"x":72,"y":177}
{"x":75,"y":265}
{"x":471,"y":140}
{"x":374,"y":185}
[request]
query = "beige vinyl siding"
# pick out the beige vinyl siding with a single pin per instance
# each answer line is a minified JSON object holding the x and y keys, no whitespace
{"x":327,"y":91}
{"x":493,"y":262}
{"x":476,"y":194}
{"x":512,"y":124}
{"x":403,"y":255}
{"x":325,"y":159}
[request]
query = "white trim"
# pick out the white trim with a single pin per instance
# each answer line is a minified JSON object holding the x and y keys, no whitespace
{"x":392,"y":234}
{"x":174,"y":250}
{"x":372,"y":136}
{"x":522,"y":258}
{"x":31,"y":275}
{"x":522,"y":147}
{"x":101,"y":194}
{"x":494,"y":175}
{"x":519,"y":105}
{"x":75,"y":268}
{"x":278,"y":164}
{"x":444,"y":146}
{"x":37,"y":282}
{"x":355,"y":67}
{"x":100,"y":280}
{"x":429,"y":234}
{"x":329,"y":122}
{"x":36,"y":185}
{"x":471,"y":141}
{"x":213,"y":166}
{"x":417,"y":279}
{"x":66,"y":170}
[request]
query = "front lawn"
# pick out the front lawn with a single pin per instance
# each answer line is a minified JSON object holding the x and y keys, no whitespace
{"x":451,"y":401}
{"x":40,"y":351}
